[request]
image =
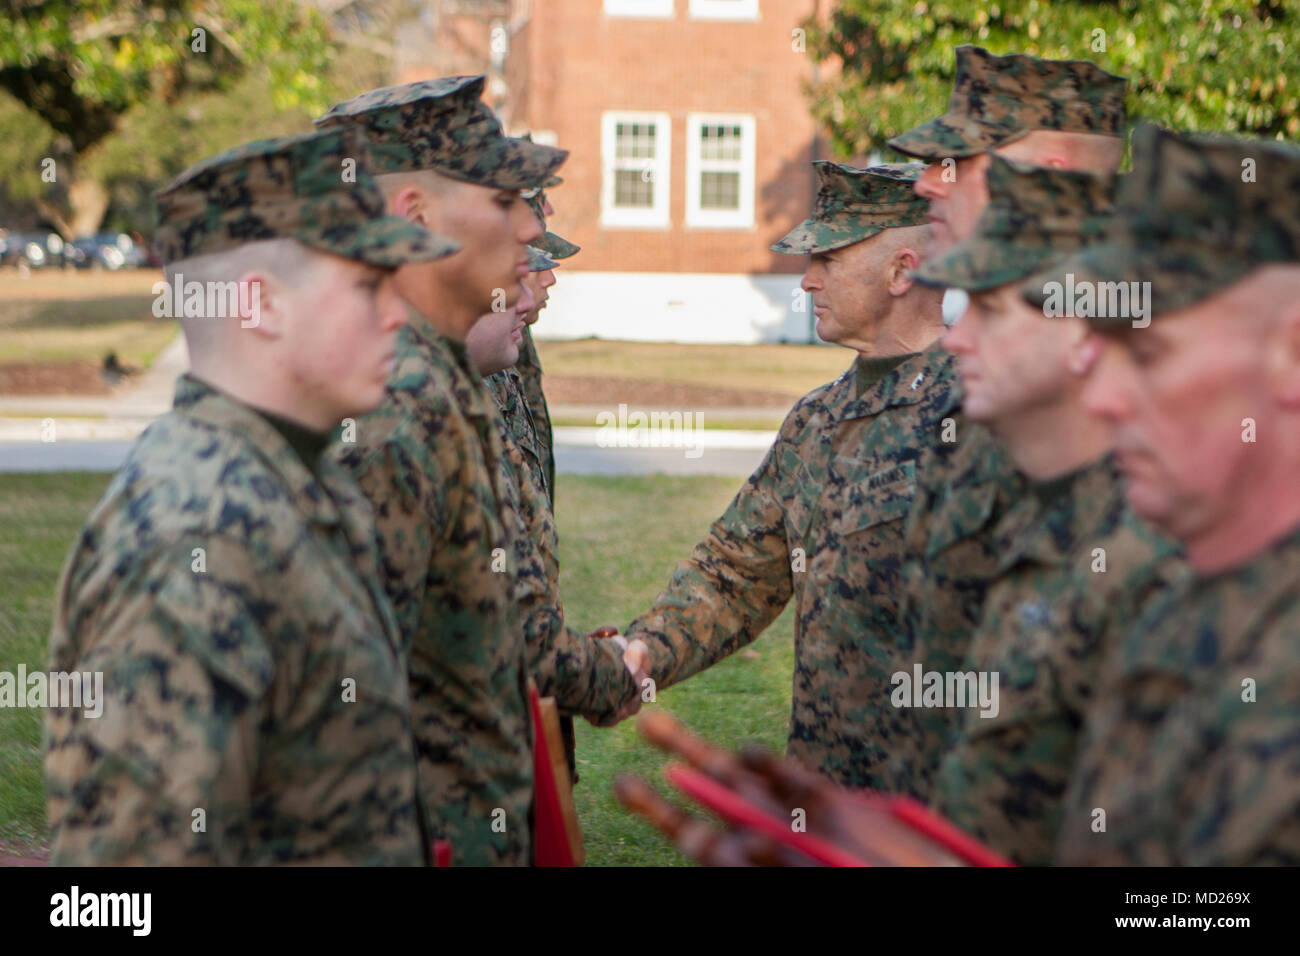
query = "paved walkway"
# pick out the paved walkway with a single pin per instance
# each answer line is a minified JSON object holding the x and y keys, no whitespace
{"x":570,"y":458}
{"x":93,"y":433}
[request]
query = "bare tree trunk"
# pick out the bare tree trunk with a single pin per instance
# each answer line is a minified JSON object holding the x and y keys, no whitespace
{"x":88,"y":201}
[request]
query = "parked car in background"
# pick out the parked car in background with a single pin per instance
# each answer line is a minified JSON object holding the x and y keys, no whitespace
{"x":25,"y":251}
{"x":109,"y":250}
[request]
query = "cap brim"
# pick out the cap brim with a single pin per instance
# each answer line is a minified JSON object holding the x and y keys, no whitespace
{"x":953,"y":135}
{"x":811,"y":236}
{"x":977,"y":264}
{"x":388,"y":241}
{"x":512,"y":163}
{"x":556,"y":247}
{"x":539,"y":261}
{"x":1178,"y":278}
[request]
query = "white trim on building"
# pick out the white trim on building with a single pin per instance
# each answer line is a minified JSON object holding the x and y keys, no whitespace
{"x":722,"y":9}
{"x":645,"y":9}
{"x":677,"y":307}
{"x":653,"y":170}
{"x":719,"y":127}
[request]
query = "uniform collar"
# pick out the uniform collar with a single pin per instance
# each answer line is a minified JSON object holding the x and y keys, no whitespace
{"x":1206,"y":620}
{"x":204,"y":403}
{"x":436,"y":349}
{"x":1049,"y":524}
{"x":915,"y":379}
{"x":868,"y":370}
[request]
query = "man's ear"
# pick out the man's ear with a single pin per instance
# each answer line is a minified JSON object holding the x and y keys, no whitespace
{"x":905,"y":260}
{"x":265,"y":314}
{"x":409,"y":203}
{"x":1085,"y":350}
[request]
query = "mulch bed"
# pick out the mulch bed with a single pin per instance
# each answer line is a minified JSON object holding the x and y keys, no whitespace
{"x":52,"y":378}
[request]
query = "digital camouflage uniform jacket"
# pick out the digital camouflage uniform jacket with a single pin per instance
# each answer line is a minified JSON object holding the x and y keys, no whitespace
{"x":820,"y":520}
{"x":966,"y":485}
{"x":227,"y":669}
{"x":529,"y":367}
{"x":521,"y":424}
{"x":429,"y":459}
{"x":1075,"y":566}
{"x":1191,"y":747}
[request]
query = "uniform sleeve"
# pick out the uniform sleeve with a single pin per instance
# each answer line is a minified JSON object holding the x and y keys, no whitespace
{"x":585,"y":675}
{"x":159,"y":768}
{"x":734,"y":584}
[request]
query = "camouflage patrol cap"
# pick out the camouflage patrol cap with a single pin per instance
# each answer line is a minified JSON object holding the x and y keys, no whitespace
{"x":538,"y":260}
{"x":552,"y":180}
{"x":292,"y":187}
{"x":998,"y":99}
{"x":1196,"y":214}
{"x":1035,"y":216}
{"x":854,"y":204}
{"x":557,"y":247}
{"x":444,"y":125}
{"x":553,"y":245}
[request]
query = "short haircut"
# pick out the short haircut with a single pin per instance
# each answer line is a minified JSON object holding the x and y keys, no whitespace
{"x":1097,"y":152}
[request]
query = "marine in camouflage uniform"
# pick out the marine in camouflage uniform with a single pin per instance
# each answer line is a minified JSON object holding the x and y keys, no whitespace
{"x":821,"y":519}
{"x":1074,"y":563}
{"x":584,"y":675}
{"x":226,"y":668}
{"x":528,"y":416}
{"x":969,"y":483}
{"x":529,"y":366}
{"x":519,"y":394}
{"x":431,"y":461}
{"x":1188,"y":768}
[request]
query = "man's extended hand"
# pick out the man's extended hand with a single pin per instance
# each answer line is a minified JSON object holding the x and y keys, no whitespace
{"x":636,"y":658}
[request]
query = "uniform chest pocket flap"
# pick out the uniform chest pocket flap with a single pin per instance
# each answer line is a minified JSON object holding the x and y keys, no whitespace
{"x":877,"y":498}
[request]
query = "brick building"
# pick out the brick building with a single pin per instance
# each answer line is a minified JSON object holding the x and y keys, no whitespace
{"x":690,"y":140}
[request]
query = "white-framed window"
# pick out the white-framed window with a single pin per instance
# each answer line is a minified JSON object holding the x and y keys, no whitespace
{"x":636,"y":149}
{"x":646,"y":9}
{"x":721,"y":9}
{"x":720,"y":170}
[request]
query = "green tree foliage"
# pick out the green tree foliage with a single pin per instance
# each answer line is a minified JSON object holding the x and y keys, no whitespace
{"x":75,"y":73}
{"x":1208,"y":65}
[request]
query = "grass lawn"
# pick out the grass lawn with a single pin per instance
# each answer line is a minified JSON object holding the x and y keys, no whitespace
{"x":58,"y":316}
{"x":792,"y":369}
{"x":620,"y":539}
{"x":39,"y":517}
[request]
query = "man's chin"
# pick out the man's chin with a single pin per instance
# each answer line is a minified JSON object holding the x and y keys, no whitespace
{"x":1149,"y":502}
{"x":363,"y":403}
{"x":827,"y":332}
{"x":975,"y":409}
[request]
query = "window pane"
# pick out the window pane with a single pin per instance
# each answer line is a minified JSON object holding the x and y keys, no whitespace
{"x":631,"y":189}
{"x":634,"y":140}
{"x":719,"y":142}
{"x":720,"y":191}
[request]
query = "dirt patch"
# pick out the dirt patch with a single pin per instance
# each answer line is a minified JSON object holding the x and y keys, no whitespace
{"x":648,"y":394}
{"x":52,"y":378}
{"x":23,"y":854}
